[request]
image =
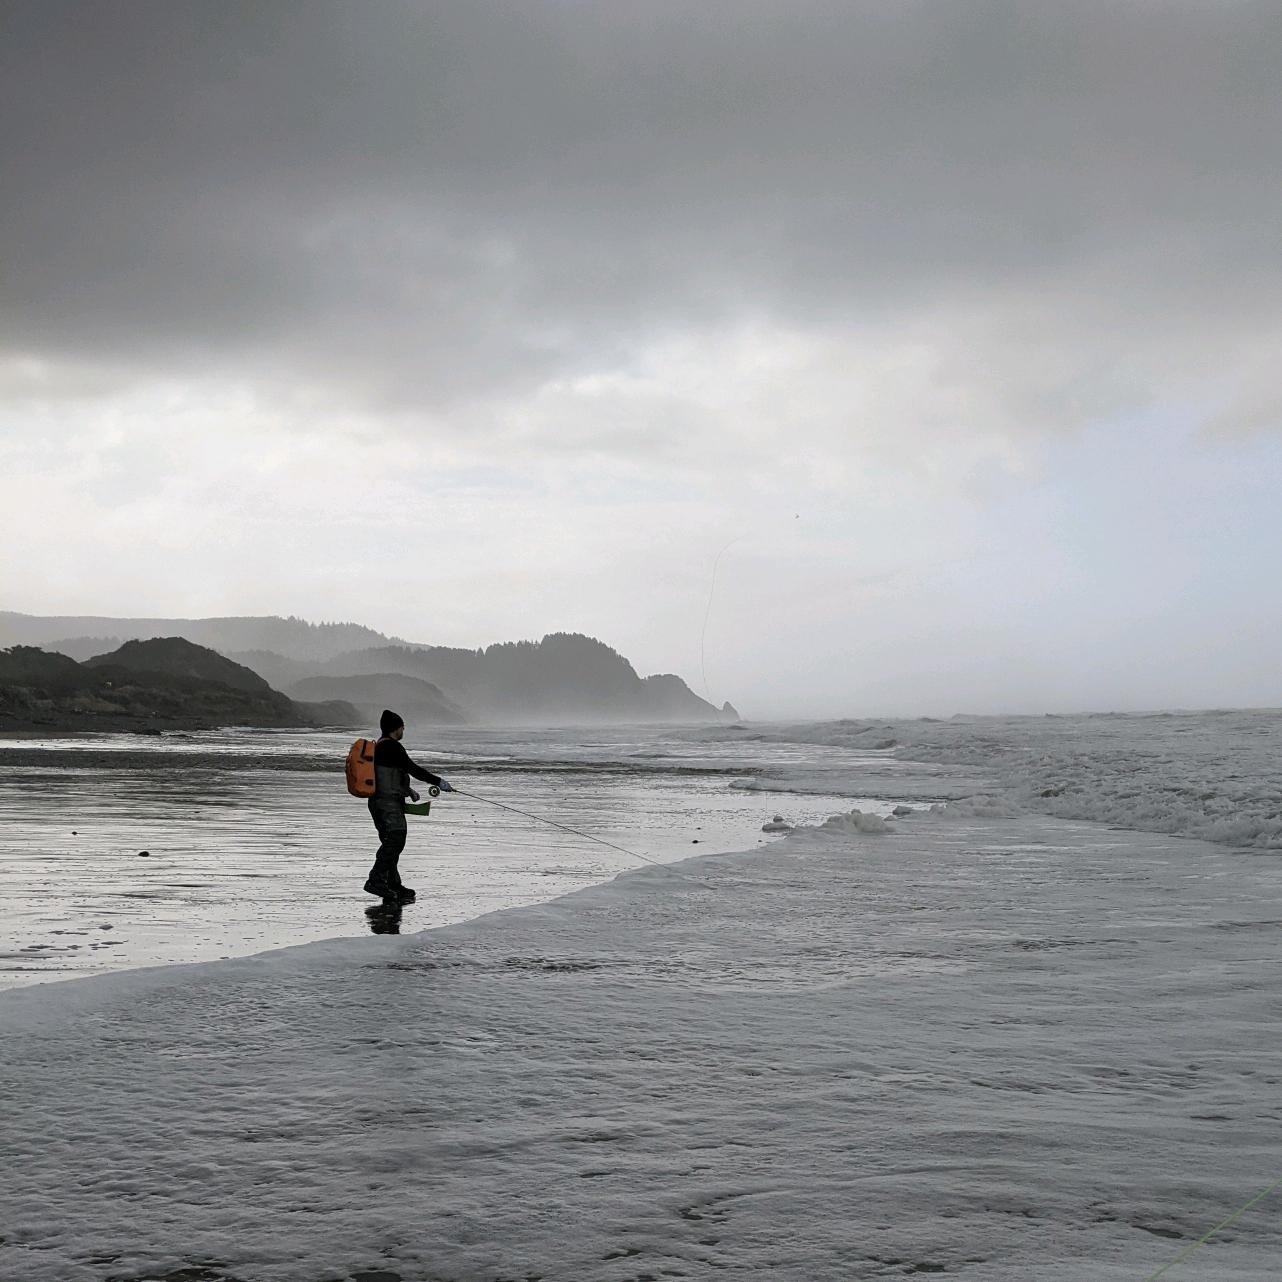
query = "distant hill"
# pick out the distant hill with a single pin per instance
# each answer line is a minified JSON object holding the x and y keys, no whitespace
{"x":563,"y":678}
{"x":418,"y":701}
{"x":334,"y":714}
{"x":294,"y":637}
{"x":670,"y":699}
{"x":26,"y":665}
{"x":178,"y":657}
{"x":163,"y":683}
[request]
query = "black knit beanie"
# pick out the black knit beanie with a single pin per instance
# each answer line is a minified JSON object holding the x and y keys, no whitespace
{"x":389,"y":722}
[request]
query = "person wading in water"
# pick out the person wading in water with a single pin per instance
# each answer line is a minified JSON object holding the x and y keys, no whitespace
{"x":392,"y":771}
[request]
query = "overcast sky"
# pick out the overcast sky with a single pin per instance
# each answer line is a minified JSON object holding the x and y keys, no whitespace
{"x":952,"y":329}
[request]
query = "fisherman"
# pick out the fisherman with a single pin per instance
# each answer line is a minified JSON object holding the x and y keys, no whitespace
{"x":392,"y":771}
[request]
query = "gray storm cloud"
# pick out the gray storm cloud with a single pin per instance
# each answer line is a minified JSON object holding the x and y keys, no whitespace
{"x":425,"y":205}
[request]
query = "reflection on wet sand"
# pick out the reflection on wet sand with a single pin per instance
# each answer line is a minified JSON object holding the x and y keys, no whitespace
{"x":384,"y":919}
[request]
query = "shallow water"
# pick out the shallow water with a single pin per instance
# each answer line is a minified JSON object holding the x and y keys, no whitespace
{"x":252,"y":841}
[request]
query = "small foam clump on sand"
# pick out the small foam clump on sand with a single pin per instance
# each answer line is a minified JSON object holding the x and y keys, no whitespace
{"x":856,"y":821}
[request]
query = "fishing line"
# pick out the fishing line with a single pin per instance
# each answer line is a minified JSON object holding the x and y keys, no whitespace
{"x":707,"y":614}
{"x":1223,"y":1224}
{"x":489,"y":801}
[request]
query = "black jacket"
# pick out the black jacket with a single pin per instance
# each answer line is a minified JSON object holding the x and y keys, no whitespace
{"x":393,"y":768}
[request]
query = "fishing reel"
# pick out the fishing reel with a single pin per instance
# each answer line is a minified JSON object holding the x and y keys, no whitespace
{"x":433,"y":791}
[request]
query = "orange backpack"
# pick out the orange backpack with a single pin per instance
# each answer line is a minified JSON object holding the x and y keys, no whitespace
{"x":360,"y":768}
